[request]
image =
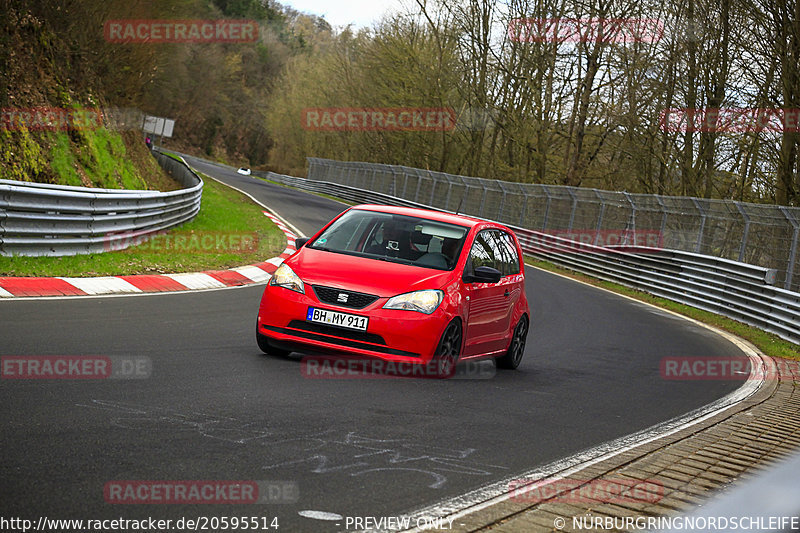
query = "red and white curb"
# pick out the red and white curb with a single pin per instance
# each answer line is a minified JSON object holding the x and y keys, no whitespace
{"x":13,"y":287}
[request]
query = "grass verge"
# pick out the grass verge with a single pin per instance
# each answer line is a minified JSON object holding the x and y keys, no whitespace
{"x":230,"y":230}
{"x":768,"y":343}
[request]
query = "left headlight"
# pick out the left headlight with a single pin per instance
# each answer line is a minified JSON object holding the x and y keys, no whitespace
{"x":286,"y":278}
{"x":421,"y":301}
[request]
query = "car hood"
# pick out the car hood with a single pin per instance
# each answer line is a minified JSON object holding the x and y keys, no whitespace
{"x":361,"y":274}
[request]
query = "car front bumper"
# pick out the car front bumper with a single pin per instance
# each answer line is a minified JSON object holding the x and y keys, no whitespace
{"x":392,"y":335}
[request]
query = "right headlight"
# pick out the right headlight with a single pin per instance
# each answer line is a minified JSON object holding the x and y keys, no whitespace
{"x":421,"y":301}
{"x":286,"y":278}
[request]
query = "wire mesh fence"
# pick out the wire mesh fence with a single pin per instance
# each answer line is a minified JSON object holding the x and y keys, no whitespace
{"x":763,"y":235}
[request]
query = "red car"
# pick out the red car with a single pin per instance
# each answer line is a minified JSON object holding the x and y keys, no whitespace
{"x":405,"y":285}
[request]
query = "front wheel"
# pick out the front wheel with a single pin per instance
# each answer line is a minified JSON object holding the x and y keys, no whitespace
{"x":516,"y":349}
{"x":268,"y":349}
{"x":448,"y":351}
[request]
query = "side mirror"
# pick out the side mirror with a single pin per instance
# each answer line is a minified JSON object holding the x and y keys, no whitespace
{"x":299,"y":243}
{"x":484,"y":274}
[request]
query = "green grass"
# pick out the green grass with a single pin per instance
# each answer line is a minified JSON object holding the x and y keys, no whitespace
{"x":768,"y":343}
{"x":63,"y":161}
{"x":226,"y":217}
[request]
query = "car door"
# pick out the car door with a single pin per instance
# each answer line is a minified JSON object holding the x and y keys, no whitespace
{"x":490,"y":304}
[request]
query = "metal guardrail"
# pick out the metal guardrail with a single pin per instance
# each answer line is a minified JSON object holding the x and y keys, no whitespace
{"x":39,"y":219}
{"x":730,"y":288}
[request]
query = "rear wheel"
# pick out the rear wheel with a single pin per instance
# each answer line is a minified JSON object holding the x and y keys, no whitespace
{"x":448,"y":351}
{"x":516,"y":349}
{"x":265,"y":346}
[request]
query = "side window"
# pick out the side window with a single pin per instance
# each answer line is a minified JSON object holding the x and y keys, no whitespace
{"x":511,"y":257}
{"x":496,"y":249}
{"x":482,"y":252}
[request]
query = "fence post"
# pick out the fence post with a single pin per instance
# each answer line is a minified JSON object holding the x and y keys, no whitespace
{"x":599,"y":217}
{"x":449,"y":191}
{"x":699,"y":242}
{"x":483,"y":199}
{"x":419,"y":184}
{"x":787,"y":284}
{"x":546,"y":207}
{"x":574,"y":207}
{"x":631,"y":220}
{"x":502,"y":202}
{"x":433,"y":188}
{"x":663,"y":220}
{"x":746,"y":231}
{"x":463,"y":196}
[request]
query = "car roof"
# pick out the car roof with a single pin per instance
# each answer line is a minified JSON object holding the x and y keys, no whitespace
{"x":438,"y":216}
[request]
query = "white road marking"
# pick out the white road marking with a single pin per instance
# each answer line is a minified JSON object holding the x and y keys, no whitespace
{"x":252,"y":273}
{"x":196,"y":280}
{"x":102,"y":285}
{"x":277,"y":261}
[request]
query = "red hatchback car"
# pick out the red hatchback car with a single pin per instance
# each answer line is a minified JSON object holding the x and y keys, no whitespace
{"x":405,"y":285}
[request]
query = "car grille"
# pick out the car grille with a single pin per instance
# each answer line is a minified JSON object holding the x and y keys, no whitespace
{"x":354,"y":300}
{"x":361,"y":336}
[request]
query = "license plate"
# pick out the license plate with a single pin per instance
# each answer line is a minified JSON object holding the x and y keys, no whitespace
{"x":335,"y":318}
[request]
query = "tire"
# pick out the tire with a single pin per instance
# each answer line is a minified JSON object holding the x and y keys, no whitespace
{"x":449,"y":350}
{"x":265,"y":346}
{"x":513,"y":357}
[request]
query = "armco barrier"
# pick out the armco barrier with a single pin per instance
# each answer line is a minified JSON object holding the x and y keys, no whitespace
{"x":41,"y":219}
{"x":730,"y":288}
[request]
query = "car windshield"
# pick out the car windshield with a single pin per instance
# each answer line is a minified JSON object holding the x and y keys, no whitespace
{"x":398,"y":238}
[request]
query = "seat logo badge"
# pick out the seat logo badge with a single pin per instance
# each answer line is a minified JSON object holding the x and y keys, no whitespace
{"x":342,"y":298}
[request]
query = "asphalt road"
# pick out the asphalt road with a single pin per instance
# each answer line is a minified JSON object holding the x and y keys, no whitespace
{"x":215,"y":408}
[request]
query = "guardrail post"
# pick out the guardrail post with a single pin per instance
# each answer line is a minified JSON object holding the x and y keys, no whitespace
{"x":787,"y":284}
{"x":699,"y":242}
{"x":746,"y":231}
